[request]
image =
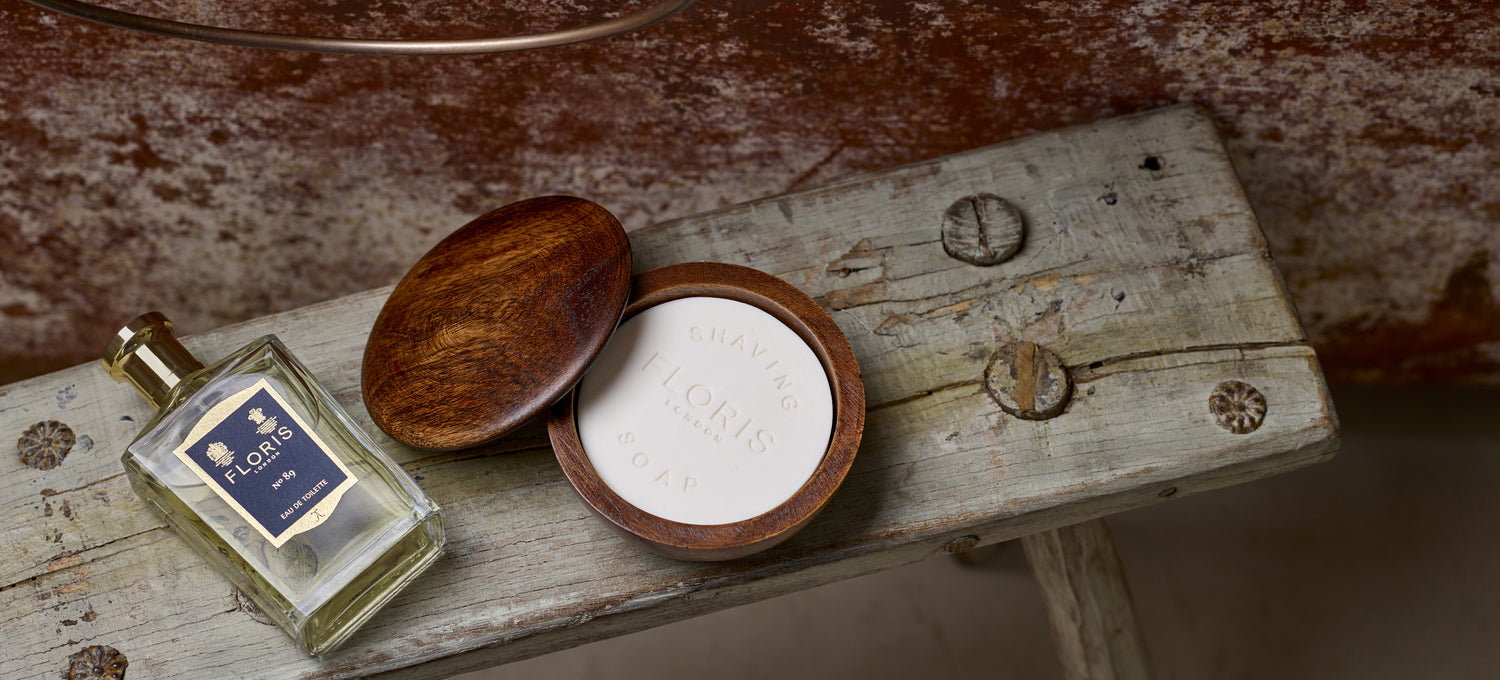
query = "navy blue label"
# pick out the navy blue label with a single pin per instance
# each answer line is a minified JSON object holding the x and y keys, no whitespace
{"x":263,"y":459}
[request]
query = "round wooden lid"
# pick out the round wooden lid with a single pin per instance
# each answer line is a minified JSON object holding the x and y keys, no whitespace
{"x":496,"y":322}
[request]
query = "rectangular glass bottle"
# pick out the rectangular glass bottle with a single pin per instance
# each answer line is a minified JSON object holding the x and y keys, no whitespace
{"x":260,"y":470}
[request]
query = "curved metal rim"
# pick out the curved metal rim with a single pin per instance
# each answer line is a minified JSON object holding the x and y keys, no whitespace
{"x":304,"y":43}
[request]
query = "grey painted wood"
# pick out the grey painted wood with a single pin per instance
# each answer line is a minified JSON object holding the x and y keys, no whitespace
{"x":1088,"y":603}
{"x":1151,"y":286}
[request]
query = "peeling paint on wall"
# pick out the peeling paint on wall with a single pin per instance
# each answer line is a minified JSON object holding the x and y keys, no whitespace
{"x":219,"y":184}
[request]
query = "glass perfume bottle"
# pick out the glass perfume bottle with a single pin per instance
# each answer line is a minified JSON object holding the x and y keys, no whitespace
{"x":260,"y":470}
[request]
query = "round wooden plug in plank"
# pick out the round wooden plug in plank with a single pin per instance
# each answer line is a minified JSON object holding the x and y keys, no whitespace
{"x":496,"y":322}
{"x":716,"y":542}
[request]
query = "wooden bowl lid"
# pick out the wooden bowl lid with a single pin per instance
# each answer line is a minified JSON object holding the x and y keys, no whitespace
{"x":496,"y":322}
{"x":738,"y":539}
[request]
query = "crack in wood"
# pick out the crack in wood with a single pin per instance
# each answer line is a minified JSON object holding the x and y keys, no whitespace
{"x":82,"y":553}
{"x":1092,"y":372}
{"x":48,"y":493}
{"x":1189,"y":265}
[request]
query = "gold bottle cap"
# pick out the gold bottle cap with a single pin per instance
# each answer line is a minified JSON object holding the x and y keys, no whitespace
{"x":146,"y":354}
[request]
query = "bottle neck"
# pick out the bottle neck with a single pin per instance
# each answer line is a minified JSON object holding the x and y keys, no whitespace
{"x":146,"y":354}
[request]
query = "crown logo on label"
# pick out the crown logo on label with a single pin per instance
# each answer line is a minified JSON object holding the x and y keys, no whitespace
{"x":220,"y":454}
{"x":267,"y":425}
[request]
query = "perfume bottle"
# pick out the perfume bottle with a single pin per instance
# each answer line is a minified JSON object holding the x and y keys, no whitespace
{"x":260,"y":470}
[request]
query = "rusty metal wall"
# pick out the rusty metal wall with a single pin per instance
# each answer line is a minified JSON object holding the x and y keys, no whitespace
{"x":218,"y":184}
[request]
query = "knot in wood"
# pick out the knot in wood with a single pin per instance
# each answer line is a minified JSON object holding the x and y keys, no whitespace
{"x":1237,"y":407}
{"x":45,"y":444}
{"x":1028,"y":381}
{"x":982,"y":230}
{"x":96,"y":661}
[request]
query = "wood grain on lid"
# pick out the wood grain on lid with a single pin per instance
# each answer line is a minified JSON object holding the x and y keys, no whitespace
{"x":496,"y":322}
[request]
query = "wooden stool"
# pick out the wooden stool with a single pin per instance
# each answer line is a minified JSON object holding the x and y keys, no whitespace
{"x":1138,"y":345}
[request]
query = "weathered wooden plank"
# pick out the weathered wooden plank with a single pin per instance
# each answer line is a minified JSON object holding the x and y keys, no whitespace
{"x":1088,"y":603}
{"x":529,"y":571}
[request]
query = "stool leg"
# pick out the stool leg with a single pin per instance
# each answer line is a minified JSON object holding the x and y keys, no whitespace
{"x":1088,"y":603}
